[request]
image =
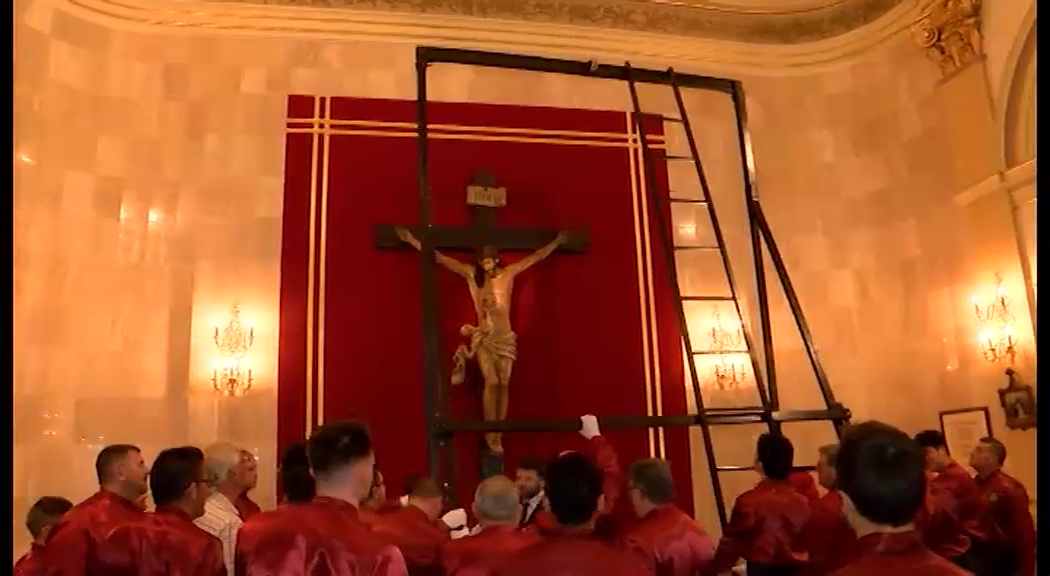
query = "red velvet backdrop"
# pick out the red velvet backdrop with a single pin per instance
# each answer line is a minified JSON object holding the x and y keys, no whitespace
{"x":352,"y":347}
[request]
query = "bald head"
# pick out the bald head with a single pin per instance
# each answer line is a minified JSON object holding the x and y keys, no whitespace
{"x":496,"y":501}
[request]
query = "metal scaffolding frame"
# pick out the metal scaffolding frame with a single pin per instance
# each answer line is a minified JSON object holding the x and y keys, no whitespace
{"x":440,"y":427}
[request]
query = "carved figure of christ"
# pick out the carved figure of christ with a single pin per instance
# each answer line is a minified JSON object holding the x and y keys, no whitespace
{"x":492,"y":342}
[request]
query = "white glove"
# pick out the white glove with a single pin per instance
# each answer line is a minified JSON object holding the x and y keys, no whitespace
{"x":455,"y":519}
{"x":589,"y":429}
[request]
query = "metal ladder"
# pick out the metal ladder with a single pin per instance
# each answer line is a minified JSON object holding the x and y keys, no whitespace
{"x":769,"y":411}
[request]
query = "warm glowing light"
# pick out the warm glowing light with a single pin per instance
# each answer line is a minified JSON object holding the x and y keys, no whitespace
{"x":975,"y":299}
{"x":996,"y":335}
{"x":688,"y":230}
{"x":152,"y":217}
{"x":233,"y":375}
{"x":25,"y":158}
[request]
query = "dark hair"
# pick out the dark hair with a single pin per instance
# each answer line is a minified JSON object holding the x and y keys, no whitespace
{"x":830,"y":453}
{"x":426,"y":488}
{"x":776,"y":454}
{"x":574,"y":485}
{"x":652,"y":477}
{"x":337,"y":445}
{"x":480,"y":276}
{"x":931,"y":439}
{"x":410,"y":483}
{"x":883,"y":471}
{"x":297,"y":484}
{"x":109,"y":457}
{"x":45,"y":512}
{"x":998,"y":448}
{"x":173,"y":472}
{"x":533,"y":464}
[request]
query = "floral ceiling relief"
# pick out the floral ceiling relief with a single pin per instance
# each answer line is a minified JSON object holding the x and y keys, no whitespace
{"x":717,"y":23}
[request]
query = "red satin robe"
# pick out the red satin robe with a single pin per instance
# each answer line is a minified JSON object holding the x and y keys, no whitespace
{"x":956,"y":480}
{"x":938,"y":521}
{"x":246,"y":507}
{"x":828,"y":537}
{"x":572,"y":552}
{"x":898,"y":554}
{"x":1003,"y":518}
{"x":612,"y":517}
{"x":417,"y":536}
{"x":671,"y":542}
{"x":30,"y":562}
{"x":165,"y":542}
{"x":805,"y":484}
{"x":369,"y":515}
{"x":324,"y":536}
{"x":765,"y":527}
{"x":482,"y":553}
{"x":71,"y":544}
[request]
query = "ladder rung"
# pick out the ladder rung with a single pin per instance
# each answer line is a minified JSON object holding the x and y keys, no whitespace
{"x":687,"y":200}
{"x":673,"y":157}
{"x":697,"y":248}
{"x":717,"y":352}
{"x":734,"y":410}
{"x":672,"y":119}
{"x":734,"y":468}
{"x":708,"y":298}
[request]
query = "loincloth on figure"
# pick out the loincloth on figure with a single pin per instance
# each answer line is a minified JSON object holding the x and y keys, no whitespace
{"x":502,"y":346}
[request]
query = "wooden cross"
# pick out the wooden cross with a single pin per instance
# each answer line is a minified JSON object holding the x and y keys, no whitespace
{"x":484,"y":199}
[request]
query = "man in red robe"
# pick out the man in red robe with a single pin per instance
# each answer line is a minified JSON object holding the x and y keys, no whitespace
{"x":297,"y":484}
{"x":672,"y":542}
{"x":167,"y":541}
{"x":804,"y":484}
{"x":828,"y":536}
{"x":611,"y":518}
{"x":247,"y":507}
{"x":418,"y":529}
{"x":765,"y":527}
{"x":953,"y":496}
{"x":71,"y":545}
{"x":42,"y":516}
{"x":1004,"y":542}
{"x":324,"y":536}
{"x":881,"y":473}
{"x":497,"y":507}
{"x":574,"y":496}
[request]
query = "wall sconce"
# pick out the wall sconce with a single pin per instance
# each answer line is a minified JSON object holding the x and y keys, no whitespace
{"x":997,"y":335}
{"x":231,"y":375}
{"x":725,"y":373}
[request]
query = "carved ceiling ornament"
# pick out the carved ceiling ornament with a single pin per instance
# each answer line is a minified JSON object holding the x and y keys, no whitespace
{"x":950,"y":33}
{"x":675,"y":18}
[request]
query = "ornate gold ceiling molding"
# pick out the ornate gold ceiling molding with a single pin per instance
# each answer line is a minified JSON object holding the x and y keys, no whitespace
{"x":689,"y":54}
{"x":785,"y":22}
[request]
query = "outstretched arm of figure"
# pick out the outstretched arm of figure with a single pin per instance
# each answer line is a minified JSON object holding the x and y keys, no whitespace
{"x":463,"y":269}
{"x":526,"y":262}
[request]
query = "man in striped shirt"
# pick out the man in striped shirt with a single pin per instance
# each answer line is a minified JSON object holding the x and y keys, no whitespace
{"x":226,"y":469}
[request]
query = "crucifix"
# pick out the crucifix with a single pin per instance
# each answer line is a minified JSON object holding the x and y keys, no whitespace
{"x":491,"y":342}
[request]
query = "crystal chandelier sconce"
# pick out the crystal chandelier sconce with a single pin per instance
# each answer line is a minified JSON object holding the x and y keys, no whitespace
{"x":725,"y":373}
{"x":231,"y":375}
{"x":996,"y":337}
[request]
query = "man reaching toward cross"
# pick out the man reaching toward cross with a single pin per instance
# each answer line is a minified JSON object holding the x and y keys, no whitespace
{"x":493,"y":343}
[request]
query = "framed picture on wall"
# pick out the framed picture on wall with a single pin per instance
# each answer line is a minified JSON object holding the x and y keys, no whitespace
{"x":963,"y":429}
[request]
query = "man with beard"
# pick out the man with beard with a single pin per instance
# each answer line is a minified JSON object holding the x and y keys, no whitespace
{"x":167,"y":541}
{"x":72,"y":545}
{"x":529,"y":480}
